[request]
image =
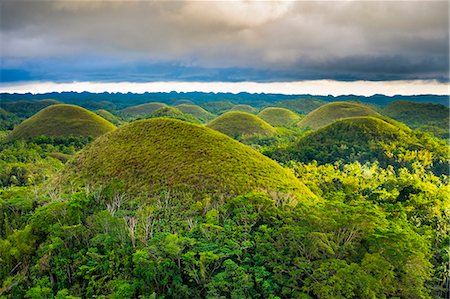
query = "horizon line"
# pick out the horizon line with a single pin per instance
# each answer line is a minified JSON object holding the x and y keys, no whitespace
{"x":306,"y":87}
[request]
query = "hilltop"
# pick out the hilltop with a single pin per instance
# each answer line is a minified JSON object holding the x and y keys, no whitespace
{"x":301,"y":106}
{"x":329,"y":113}
{"x":26,"y":108}
{"x":62,"y":120}
{"x":154,"y":154}
{"x":278,"y":117}
{"x":244,"y":108}
{"x":174,"y":113}
{"x":217,"y":107}
{"x":109,"y":116}
{"x":143,"y":109}
{"x":369,"y":139}
{"x":426,"y":117}
{"x":196,"y":111}
{"x":237,"y":124}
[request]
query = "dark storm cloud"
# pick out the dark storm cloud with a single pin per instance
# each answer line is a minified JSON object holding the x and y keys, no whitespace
{"x":223,"y":40}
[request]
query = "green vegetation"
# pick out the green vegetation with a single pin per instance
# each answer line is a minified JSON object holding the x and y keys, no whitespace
{"x":162,"y":208}
{"x":8,"y":120}
{"x":174,"y":113}
{"x":142,"y":110}
{"x":62,"y":120}
{"x":26,"y":108}
{"x":217,"y":107}
{"x":109,"y":116}
{"x":367,"y":139}
{"x":196,"y":111}
{"x":301,"y":106}
{"x":163,"y":153}
{"x":426,"y":117}
{"x":279,"y":117}
{"x":332,"y":112}
{"x":244,"y":108}
{"x":241,"y":124}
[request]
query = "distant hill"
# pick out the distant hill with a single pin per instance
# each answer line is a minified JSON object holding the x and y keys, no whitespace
{"x":172,"y":112}
{"x":196,"y":111}
{"x":142,"y":110}
{"x":279,"y":117}
{"x":332,"y":112}
{"x":369,"y":139}
{"x":109,"y":116}
{"x":217,"y":107}
{"x":150,"y":155}
{"x":301,"y":106}
{"x":244,"y":108}
{"x":237,"y":124}
{"x":8,"y":120}
{"x":62,"y":120}
{"x":426,"y":117}
{"x":26,"y":108}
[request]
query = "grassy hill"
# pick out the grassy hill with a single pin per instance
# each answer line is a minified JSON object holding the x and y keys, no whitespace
{"x":332,"y":112}
{"x":172,"y":112}
{"x":151,"y":154}
{"x":109,"y":116}
{"x":301,"y":106}
{"x":237,"y":124}
{"x":218,"y":107}
{"x":244,"y":108}
{"x":369,"y":139}
{"x":426,"y":117}
{"x":62,"y":120}
{"x":8,"y":120}
{"x":279,"y":117}
{"x":26,"y":108}
{"x":196,"y":111}
{"x":142,"y":110}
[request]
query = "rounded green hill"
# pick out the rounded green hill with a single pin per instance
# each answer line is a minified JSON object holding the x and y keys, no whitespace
{"x":237,"y":124}
{"x":196,"y":111}
{"x":278,"y":117}
{"x":108,"y":116}
{"x":329,"y":113}
{"x":143,"y":109}
{"x":155,"y":154}
{"x":62,"y":120}
{"x":244,"y":108}
{"x":368,"y":139}
{"x":172,"y":112}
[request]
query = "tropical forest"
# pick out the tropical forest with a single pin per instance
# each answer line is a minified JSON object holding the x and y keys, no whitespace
{"x":200,"y":195}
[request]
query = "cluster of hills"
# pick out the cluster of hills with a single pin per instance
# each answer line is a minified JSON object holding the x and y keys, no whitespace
{"x":296,"y":198}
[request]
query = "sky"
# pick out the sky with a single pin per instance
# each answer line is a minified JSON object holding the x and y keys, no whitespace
{"x":327,"y":47}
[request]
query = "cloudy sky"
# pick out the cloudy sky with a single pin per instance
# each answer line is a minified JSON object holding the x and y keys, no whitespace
{"x":224,"y":41}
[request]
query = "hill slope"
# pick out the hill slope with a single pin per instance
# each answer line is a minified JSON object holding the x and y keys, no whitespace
{"x":332,"y":112}
{"x":237,"y":124}
{"x":144,"y":109}
{"x":62,"y":120}
{"x":196,"y":111}
{"x":27,"y":108}
{"x":301,"y":106}
{"x":423,"y":116}
{"x":369,"y":139}
{"x":278,"y":117}
{"x":172,"y":112}
{"x":244,"y":108}
{"x":151,"y":154}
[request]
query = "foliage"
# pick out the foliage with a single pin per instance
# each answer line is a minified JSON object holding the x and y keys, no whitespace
{"x":279,"y":117}
{"x":301,"y":106}
{"x":151,"y":154}
{"x":218,"y":107}
{"x":62,"y":120}
{"x":174,"y":113}
{"x":427,"y":117}
{"x":196,"y":111}
{"x":329,"y":113}
{"x":241,"y":124}
{"x":244,"y":108}
{"x":367,"y":139}
{"x":143,"y":109}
